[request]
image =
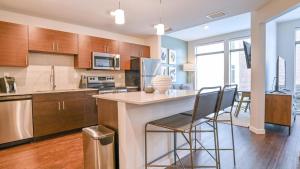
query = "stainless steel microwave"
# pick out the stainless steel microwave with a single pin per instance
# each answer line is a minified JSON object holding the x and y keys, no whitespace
{"x":105,"y":61}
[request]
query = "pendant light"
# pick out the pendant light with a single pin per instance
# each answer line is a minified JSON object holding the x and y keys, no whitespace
{"x":119,"y":15}
{"x":160,"y":28}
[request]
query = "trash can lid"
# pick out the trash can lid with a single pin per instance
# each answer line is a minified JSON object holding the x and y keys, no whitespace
{"x":98,"y":132}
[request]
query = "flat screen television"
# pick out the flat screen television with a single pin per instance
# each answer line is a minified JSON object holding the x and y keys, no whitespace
{"x":247,"y":50}
{"x":280,"y":78}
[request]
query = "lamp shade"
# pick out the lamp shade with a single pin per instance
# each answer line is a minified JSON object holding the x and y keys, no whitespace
{"x":119,"y":15}
{"x":160,"y":29}
{"x":189,"y":67}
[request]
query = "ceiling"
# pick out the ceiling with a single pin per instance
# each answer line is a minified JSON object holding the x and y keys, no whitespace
{"x":141,"y":15}
{"x":215,"y":28}
{"x":291,"y":15}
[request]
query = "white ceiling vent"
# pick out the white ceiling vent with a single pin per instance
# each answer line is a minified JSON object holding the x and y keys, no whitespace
{"x":215,"y":15}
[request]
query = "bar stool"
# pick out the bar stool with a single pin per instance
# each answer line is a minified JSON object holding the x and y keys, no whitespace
{"x":206,"y":102}
{"x":225,"y":106}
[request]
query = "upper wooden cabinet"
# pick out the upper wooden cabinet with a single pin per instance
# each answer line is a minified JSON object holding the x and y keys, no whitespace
{"x":146,"y":52}
{"x":105,"y":45}
{"x":13,"y":44}
{"x":124,"y":50}
{"x":52,"y":41}
{"x":84,"y":57}
{"x":140,"y":50}
{"x":127,"y":50}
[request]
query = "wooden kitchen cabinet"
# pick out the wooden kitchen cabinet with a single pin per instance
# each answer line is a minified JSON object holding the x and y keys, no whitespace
{"x":105,"y":45}
{"x":84,"y":58}
{"x":124,"y":50}
{"x":58,"y":112}
{"x":13,"y":44}
{"x":46,"y":118}
{"x":52,"y":41}
{"x":73,"y":113}
{"x":146,"y":51}
{"x":127,"y":50}
{"x":140,"y":50}
{"x":91,"y":118}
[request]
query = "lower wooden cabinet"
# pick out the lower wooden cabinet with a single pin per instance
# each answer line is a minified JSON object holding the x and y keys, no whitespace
{"x":58,"y":112}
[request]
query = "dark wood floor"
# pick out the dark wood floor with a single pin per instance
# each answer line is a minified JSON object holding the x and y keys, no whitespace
{"x":275,"y":150}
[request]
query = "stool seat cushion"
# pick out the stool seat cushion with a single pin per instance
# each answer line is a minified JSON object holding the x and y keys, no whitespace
{"x":177,"y":122}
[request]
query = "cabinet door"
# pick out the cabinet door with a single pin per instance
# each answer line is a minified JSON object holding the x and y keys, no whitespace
{"x":41,"y":40}
{"x":46,"y":118}
{"x":91,"y":113}
{"x":52,"y":41}
{"x":13,"y":44}
{"x":66,"y":43}
{"x":73,"y":113}
{"x":112,"y":46}
{"x":135,"y":50}
{"x":84,"y":57}
{"x":99,"y":44}
{"x":146,"y":51}
{"x":125,"y":55}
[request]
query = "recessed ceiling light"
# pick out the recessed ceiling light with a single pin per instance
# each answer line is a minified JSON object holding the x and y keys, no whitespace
{"x":206,"y":27}
{"x":215,"y":15}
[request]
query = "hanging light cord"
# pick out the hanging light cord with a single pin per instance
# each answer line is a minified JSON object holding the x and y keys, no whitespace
{"x":160,"y":12}
{"x":119,"y":4}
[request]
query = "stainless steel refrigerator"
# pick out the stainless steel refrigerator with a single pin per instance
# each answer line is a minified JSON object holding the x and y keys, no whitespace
{"x":149,"y":69}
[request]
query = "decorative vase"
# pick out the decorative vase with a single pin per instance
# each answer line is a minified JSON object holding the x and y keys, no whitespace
{"x":161,"y":83}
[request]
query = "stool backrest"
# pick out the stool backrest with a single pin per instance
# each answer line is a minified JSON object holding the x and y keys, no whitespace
{"x":206,"y":102}
{"x":227,"y":97}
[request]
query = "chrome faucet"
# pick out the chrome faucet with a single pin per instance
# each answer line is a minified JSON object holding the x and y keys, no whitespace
{"x":52,"y":77}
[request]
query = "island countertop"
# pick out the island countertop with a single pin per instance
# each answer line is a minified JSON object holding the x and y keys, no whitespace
{"x":142,"y":98}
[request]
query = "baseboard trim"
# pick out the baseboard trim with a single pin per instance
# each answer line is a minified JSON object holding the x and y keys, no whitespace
{"x":257,"y":131}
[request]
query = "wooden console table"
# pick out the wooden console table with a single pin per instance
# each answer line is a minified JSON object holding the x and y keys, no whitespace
{"x":279,"y":109}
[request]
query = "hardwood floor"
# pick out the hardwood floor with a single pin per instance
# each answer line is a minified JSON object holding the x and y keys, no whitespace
{"x":275,"y":150}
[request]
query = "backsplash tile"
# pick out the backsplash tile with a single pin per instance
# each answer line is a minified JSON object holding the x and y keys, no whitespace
{"x":36,"y":76}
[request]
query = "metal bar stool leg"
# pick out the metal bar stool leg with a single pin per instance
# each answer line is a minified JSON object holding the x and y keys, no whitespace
{"x":218,"y":146}
{"x":232,"y":138}
{"x":191,"y":148}
{"x":146,"y":161}
{"x":195,"y":138}
{"x":175,"y":147}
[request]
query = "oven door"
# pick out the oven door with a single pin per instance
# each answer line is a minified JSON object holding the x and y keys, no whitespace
{"x":103,"y":61}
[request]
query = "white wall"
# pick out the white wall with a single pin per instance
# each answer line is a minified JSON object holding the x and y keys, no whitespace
{"x":286,"y":49}
{"x":271,"y":54}
{"x":259,"y":19}
{"x":155,"y":43}
{"x":226,"y":38}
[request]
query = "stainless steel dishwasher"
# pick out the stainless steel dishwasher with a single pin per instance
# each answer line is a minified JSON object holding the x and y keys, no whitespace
{"x":15,"y":119}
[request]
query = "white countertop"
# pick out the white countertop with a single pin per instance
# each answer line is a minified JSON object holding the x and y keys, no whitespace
{"x":18,"y":93}
{"x":142,"y":98}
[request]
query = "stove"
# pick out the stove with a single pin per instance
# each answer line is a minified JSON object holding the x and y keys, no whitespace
{"x":105,"y":84}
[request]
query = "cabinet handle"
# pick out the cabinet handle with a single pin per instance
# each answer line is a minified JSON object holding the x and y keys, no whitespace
{"x":58,"y":106}
{"x":53,"y":46}
{"x":57,"y":49}
{"x":63,"y":105}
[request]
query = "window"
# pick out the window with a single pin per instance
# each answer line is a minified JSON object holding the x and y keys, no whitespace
{"x":239,"y":74}
{"x":298,"y":58}
{"x":210,"y":65}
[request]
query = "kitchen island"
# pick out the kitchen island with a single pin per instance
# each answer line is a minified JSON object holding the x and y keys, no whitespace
{"x":127,"y":113}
